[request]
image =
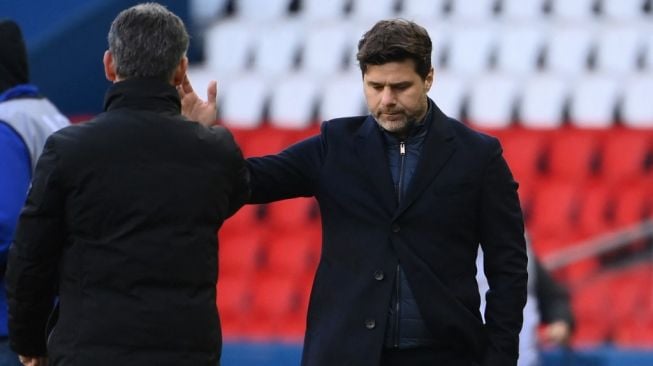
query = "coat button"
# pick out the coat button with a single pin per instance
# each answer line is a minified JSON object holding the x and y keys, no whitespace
{"x":370,"y":324}
{"x":396,"y":228}
{"x":378,"y":275}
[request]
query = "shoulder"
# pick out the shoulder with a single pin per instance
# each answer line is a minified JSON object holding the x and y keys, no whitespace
{"x":344,"y":125}
{"x":472,"y":138}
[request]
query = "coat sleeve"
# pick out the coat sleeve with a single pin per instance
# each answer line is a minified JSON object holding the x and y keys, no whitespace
{"x":291,"y":173}
{"x":503,"y":243}
{"x":241,"y":188}
{"x":34,"y":256}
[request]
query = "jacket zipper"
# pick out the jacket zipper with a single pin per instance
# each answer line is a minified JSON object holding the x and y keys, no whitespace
{"x":402,"y":160}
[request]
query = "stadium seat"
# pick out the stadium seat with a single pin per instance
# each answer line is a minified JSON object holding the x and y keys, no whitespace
{"x":256,"y":10}
{"x":522,"y":10}
{"x":421,"y":9}
{"x":204,"y":12}
{"x":591,"y":308}
{"x":234,"y":299}
{"x":277,"y":47}
{"x":492,"y":101}
{"x":233,"y":38}
{"x":275,"y":299}
{"x":294,"y":101}
{"x":343,"y":96}
{"x":625,"y":156}
{"x":574,"y":155}
{"x":595,"y":210}
{"x":265,"y":140}
{"x":648,"y":51}
{"x":449,"y":93}
{"x":637,"y":109}
{"x":623,"y":10}
{"x":594,"y":101}
{"x":325,"y":50}
{"x":243,"y":101}
{"x":241,"y":253}
{"x":246,"y":219}
{"x":525,"y":152}
{"x":439,"y":32}
{"x":519,"y":48}
{"x":618,"y":49}
{"x":372,"y":10}
{"x":470,"y":48}
{"x":633,"y":204}
{"x":554,"y":214}
{"x":472,"y":10}
{"x":568,"y":49}
{"x":543,"y":101}
{"x":573,"y":11}
{"x":292,"y":213}
{"x":292,"y":255}
{"x":320,"y":10}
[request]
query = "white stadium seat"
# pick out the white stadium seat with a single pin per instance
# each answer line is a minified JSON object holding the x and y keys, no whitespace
{"x":449,"y":92}
{"x":469,"y":49}
{"x":243,"y":102}
{"x":573,"y":10}
{"x":519,"y":47}
{"x":343,"y":96}
{"x":492,"y":101}
{"x":277,"y":47}
{"x":543,"y":100}
{"x":593,"y":101}
{"x":229,"y":45}
{"x":472,"y":10}
{"x":521,"y":10}
{"x":258,"y":10}
{"x":618,"y":49}
{"x":568,"y":49}
{"x":372,"y":9}
{"x":637,"y":109}
{"x":293,"y":101}
{"x":421,"y":9}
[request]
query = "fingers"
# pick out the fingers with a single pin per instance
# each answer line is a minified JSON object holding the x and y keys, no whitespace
{"x":212,"y":92}
{"x":186,"y":85}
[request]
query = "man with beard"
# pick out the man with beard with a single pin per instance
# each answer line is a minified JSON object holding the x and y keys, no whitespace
{"x":406,"y":196}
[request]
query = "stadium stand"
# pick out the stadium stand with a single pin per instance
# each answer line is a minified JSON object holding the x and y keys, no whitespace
{"x":565,"y":85}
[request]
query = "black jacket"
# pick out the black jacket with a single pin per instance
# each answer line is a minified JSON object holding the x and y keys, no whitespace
{"x":461,"y":194}
{"x":121,"y":223}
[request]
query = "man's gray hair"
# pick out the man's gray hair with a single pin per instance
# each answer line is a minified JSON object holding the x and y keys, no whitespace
{"x":147,"y":40}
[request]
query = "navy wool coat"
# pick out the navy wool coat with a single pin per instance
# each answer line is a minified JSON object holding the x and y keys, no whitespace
{"x":462,"y":195}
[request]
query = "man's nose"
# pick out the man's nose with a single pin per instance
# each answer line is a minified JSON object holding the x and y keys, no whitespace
{"x":387,"y":96}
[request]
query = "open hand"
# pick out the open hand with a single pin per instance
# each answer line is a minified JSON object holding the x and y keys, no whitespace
{"x":193,"y":107}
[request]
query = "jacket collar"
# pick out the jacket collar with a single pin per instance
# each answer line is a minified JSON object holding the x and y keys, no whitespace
{"x":436,"y":151}
{"x":146,"y":94}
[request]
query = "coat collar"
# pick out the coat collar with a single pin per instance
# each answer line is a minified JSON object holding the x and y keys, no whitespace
{"x":439,"y":145}
{"x":147,"y":94}
{"x":436,"y":151}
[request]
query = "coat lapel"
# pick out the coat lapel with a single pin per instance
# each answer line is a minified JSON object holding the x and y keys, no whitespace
{"x":371,"y":152}
{"x":438,"y":147}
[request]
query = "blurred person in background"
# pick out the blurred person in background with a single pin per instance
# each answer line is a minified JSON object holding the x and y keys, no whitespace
{"x":406,"y":195}
{"x":26,"y":120}
{"x":548,"y":317}
{"x":120,"y":222}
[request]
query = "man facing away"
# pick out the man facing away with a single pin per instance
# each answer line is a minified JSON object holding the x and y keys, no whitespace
{"x":121,"y":218}
{"x":26,"y":120}
{"x":406,"y":196}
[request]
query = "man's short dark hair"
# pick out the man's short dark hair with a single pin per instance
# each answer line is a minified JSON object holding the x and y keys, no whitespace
{"x":147,"y":40}
{"x":396,"y":40}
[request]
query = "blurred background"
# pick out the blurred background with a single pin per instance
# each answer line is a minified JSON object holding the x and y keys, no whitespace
{"x":566,"y":85}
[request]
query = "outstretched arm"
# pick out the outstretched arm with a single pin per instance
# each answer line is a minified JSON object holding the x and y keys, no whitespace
{"x":196,"y":109}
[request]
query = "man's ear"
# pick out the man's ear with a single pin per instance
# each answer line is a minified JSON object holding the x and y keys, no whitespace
{"x":429,"y":80}
{"x":180,"y":72}
{"x":109,"y":66}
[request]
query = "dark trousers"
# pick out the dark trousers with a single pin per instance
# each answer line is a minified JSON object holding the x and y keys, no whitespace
{"x":423,"y":357}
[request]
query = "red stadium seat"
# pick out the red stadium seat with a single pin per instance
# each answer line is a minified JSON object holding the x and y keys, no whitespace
{"x":525,"y":151}
{"x":234,"y":299}
{"x":292,"y":254}
{"x":288,"y":215}
{"x":574,"y":154}
{"x":240,"y":254}
{"x":626,"y":154}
